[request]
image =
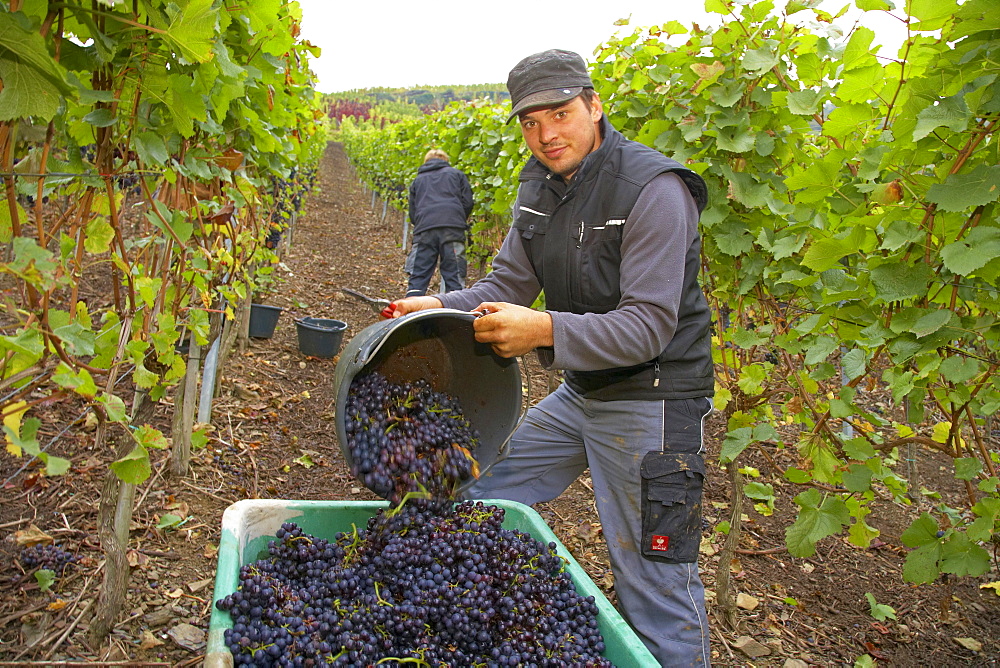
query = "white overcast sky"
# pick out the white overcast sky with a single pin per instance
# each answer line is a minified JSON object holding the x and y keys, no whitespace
{"x":393,"y":43}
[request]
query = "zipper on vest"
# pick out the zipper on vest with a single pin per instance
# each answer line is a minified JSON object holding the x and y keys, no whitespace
{"x":656,"y":373}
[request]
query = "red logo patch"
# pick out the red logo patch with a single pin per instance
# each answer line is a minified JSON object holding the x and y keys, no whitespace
{"x":660,"y":543}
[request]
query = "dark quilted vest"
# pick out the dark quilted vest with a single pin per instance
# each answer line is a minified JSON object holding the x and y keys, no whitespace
{"x":573,"y":237}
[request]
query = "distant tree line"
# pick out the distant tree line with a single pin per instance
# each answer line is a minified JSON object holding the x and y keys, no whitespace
{"x":395,"y":103}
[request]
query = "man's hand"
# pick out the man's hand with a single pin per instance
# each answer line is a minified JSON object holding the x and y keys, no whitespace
{"x":512,"y":330}
{"x":401,"y":307}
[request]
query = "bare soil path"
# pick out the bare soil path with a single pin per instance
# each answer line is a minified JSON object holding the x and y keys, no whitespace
{"x":274,"y":438}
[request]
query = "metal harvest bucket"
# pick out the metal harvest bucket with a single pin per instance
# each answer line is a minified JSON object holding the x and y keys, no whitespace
{"x":439,"y":346}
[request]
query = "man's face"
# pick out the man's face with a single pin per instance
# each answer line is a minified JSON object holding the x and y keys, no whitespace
{"x":561,"y":136}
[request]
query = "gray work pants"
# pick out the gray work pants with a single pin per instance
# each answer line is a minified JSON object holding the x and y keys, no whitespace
{"x":635,"y":488}
{"x":440,"y":248}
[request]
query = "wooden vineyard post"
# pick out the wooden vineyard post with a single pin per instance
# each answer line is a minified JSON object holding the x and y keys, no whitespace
{"x":291,"y":231}
{"x":183,"y":422}
{"x":912,"y":470}
{"x":243,"y":318}
{"x":230,"y":330}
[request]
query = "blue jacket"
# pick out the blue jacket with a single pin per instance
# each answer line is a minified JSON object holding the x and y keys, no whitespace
{"x":440,"y":196}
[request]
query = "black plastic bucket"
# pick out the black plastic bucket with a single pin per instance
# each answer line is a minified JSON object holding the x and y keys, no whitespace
{"x":320,"y":337}
{"x":263,"y":319}
{"x":439,"y":346}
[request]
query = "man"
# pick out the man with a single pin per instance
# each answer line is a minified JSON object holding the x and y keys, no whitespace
{"x":440,"y":204}
{"x":609,"y":228}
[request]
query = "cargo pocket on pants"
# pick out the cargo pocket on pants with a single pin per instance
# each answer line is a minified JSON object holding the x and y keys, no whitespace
{"x":671,"y":506}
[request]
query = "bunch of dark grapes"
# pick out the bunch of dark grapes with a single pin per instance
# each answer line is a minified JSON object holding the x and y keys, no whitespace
{"x":439,"y":587}
{"x":88,"y":152}
{"x":48,"y":557}
{"x":230,"y":462}
{"x":128,"y":182}
{"x":408,"y":438}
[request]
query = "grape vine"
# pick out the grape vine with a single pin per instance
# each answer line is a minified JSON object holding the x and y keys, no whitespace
{"x":850,"y":244}
{"x":190,"y":110}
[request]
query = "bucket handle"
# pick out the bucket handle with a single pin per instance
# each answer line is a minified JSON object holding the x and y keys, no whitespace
{"x":504,"y":448}
{"x":368,"y":350}
{"x":302,"y":321}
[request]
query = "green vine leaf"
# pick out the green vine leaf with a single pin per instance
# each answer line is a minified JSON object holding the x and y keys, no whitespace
{"x":967,"y":468}
{"x":961,"y":192}
{"x":25,"y":439}
{"x":45,"y":577}
{"x":952,"y":113}
{"x":932,"y":14}
{"x":34,"y":84}
{"x":818,"y":518}
{"x":896,"y":281}
{"x":975,"y":251}
{"x":961,"y":556}
{"x":134,"y":468}
{"x":151,"y":148}
{"x":193,"y":30}
{"x":858,"y":52}
{"x":79,"y":381}
{"x":114,"y":407}
{"x":879,"y":611}
{"x":148,"y":437}
{"x":922,"y":532}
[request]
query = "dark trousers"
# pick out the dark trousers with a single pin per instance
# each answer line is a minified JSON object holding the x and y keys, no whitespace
{"x":446,"y":244}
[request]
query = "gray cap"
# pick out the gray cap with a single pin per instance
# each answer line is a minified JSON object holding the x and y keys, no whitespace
{"x":546,"y":78}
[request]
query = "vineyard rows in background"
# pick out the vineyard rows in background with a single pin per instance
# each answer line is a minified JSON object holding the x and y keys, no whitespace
{"x":850,"y":246}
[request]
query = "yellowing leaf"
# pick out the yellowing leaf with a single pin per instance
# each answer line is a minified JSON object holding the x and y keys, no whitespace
{"x":6,"y":224}
{"x":98,"y":235}
{"x":995,"y":586}
{"x":13,"y":421}
{"x":941,"y":431}
{"x":56,"y":605}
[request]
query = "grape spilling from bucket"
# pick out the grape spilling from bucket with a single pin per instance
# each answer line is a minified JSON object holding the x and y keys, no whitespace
{"x":421,"y":586}
{"x":407,"y":438}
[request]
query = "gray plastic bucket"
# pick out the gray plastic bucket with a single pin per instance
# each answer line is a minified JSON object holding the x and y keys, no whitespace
{"x":263,"y":319}
{"x":439,"y":346}
{"x":320,"y":337}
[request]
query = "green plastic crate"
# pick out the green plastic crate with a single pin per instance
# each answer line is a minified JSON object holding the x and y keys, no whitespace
{"x":247,"y":526}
